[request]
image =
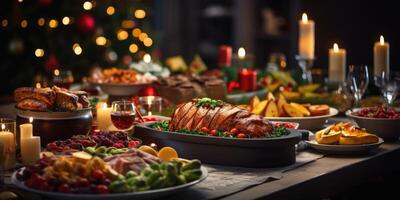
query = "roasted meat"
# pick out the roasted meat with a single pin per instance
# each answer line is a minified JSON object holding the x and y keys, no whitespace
{"x":45,"y":95}
{"x":192,"y":116}
{"x":33,"y":104}
{"x":67,"y":101}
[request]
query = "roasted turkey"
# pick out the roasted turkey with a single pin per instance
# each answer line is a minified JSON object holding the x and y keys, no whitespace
{"x":192,"y":116}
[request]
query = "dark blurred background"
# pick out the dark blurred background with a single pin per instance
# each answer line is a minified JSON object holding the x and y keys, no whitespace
{"x":98,"y":35}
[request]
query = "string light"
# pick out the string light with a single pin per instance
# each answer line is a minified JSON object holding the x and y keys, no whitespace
{"x":142,"y":36}
{"x":24,"y":23}
{"x":87,"y":5}
{"x":140,"y":14}
{"x":4,"y":23}
{"x":133,"y":48}
{"x":136,"y":32}
{"x":110,"y":10}
{"x":66,"y":20}
{"x":41,"y":21}
{"x":53,"y":23}
{"x":101,"y":41}
{"x":147,"y":58}
{"x":77,"y":49}
{"x":127,"y":24}
{"x":39,"y":53}
{"x":56,"y":72}
{"x":122,"y":34}
{"x":148,"y":42}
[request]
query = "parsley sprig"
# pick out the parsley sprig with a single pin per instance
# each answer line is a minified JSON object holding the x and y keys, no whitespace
{"x":208,"y":102}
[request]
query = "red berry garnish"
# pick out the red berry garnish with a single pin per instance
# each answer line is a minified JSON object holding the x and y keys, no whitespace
{"x":133,"y":144}
{"x":102,"y":189}
{"x":241,"y":135}
{"x":204,"y":129}
{"x":118,"y":145}
{"x":64,"y":188}
{"x":213,"y":132}
{"x":51,"y":146}
{"x":98,"y":174}
{"x":234,"y":131}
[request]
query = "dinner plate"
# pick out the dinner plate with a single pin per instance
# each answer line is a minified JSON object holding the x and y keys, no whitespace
{"x":310,"y":122}
{"x":344,"y":149}
{"x":151,"y":194}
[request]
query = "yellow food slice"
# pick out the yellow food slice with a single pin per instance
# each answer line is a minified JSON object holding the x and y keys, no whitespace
{"x":308,"y":88}
{"x":82,"y":156}
{"x":260,"y":108}
{"x":280,"y":102}
{"x":270,"y":97}
{"x":167,"y":154}
{"x":272,"y":109}
{"x":253,"y":102}
{"x":149,"y":150}
{"x":301,"y":108}
{"x":290,"y":95}
{"x":328,"y":136}
{"x":292,"y":111}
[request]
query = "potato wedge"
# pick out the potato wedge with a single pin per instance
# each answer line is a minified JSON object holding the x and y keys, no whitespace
{"x":259,"y":109}
{"x":292,"y":111}
{"x":253,"y":102}
{"x":272,"y":109}
{"x":270,"y":97}
{"x":280,"y":102}
{"x":301,"y":108}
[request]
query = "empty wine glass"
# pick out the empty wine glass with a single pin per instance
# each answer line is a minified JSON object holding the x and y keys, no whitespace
{"x":357,"y":80}
{"x":123,"y":114}
{"x":389,"y":85}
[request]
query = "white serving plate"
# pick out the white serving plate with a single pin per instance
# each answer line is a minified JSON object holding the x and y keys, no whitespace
{"x":310,"y":122}
{"x":151,"y":194}
{"x":344,"y":149}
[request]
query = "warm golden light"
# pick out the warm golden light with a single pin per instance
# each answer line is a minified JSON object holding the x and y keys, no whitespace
{"x":24,"y":23}
{"x":304,"y":18}
{"x":142,"y":36}
{"x":39,"y":53}
{"x":41,"y":21}
{"x":147,"y":58}
{"x":101,"y":41}
{"x":133,"y":48}
{"x":140,"y":14}
{"x":53,"y":23}
{"x":122,"y":34}
{"x":56,"y":72}
{"x":87,"y":5}
{"x":136,"y":32}
{"x":3,"y":126}
{"x":4,"y":23}
{"x":335,"y":47}
{"x":110,"y":10}
{"x":38,"y":85}
{"x":20,"y":1}
{"x":66,"y":20}
{"x":382,"y":40}
{"x":128,"y":24}
{"x":30,"y":120}
{"x":77,"y":49}
{"x":241,"y":53}
{"x":148,"y":42}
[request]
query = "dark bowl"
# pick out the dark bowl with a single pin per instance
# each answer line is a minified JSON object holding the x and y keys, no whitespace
{"x":251,"y":152}
{"x":52,"y":126}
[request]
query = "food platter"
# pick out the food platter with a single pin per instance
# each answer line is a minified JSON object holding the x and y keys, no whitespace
{"x":344,"y":149}
{"x":244,"y":152}
{"x":120,"y":89}
{"x":309,"y":122}
{"x":151,"y":194}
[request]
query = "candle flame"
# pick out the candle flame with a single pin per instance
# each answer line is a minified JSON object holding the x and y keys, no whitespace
{"x":147,"y":58}
{"x":241,"y":53}
{"x":335,"y":47}
{"x":30,"y":119}
{"x":38,"y":85}
{"x":149,"y":113}
{"x":304,"y":18}
{"x":3,"y":127}
{"x":152,"y":145}
{"x":104,"y":105}
{"x":56,"y":72}
{"x":382,"y":40}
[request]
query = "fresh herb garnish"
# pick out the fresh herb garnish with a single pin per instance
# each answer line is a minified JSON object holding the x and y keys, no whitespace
{"x":279,"y":132}
{"x":208,"y":102}
{"x":162,"y":126}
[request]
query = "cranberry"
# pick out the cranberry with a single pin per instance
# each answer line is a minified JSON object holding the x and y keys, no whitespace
{"x":98,"y":174}
{"x":82,"y":182}
{"x":204,"y":129}
{"x":241,"y":135}
{"x":51,"y":146}
{"x":102,"y":189}
{"x":234,"y":131}
{"x":64,"y":188}
{"x":133,"y":143}
{"x":118,"y":145}
{"x":213,"y":132}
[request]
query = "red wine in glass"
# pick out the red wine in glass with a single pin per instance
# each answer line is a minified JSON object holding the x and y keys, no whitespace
{"x":123,"y":120}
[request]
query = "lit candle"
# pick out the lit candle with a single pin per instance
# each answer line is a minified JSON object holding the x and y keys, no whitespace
{"x":7,"y":149}
{"x":147,"y":58}
{"x":30,"y":150}
{"x":248,"y":79}
{"x":381,"y":57}
{"x":306,"y":37}
{"x":337,"y":64}
{"x":241,"y":53}
{"x":26,"y":130}
{"x":225,"y":56}
{"x":104,"y":117}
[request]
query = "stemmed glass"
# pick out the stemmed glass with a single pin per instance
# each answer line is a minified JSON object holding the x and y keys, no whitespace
{"x":357,"y":80}
{"x":389,"y":85}
{"x":123,"y":114}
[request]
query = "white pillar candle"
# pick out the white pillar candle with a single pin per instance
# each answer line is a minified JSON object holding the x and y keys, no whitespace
{"x":306,"y":37}
{"x":30,"y":150}
{"x":337,"y":64}
{"x":104,"y":117}
{"x":7,"y":149}
{"x":381,"y":57}
{"x":25,"y":131}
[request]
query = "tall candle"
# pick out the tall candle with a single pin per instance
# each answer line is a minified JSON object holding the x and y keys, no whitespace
{"x":104,"y":117}
{"x":337,"y":64}
{"x":25,"y":130}
{"x":306,"y":37}
{"x":225,"y":56}
{"x":248,"y":79}
{"x":7,"y":149}
{"x":30,"y":149}
{"x":381,"y":57}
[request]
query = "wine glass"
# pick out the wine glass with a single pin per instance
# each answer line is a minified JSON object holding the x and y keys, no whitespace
{"x":389,"y":85}
{"x":357,"y":80}
{"x":123,"y":114}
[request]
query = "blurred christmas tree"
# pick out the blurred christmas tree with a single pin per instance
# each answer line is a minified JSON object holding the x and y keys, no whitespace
{"x":39,"y":36}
